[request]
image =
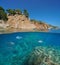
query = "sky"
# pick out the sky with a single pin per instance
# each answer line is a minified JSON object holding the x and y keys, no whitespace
{"x":45,"y":10}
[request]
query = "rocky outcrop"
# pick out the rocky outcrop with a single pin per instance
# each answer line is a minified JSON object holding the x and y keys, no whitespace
{"x":43,"y":56}
{"x":41,"y":26}
{"x":22,"y":23}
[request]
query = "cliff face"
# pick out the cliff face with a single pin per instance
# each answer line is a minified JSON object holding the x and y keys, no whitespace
{"x":20,"y":22}
{"x":41,"y":26}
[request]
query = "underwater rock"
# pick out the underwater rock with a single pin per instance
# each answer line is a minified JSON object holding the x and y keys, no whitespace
{"x":40,"y":57}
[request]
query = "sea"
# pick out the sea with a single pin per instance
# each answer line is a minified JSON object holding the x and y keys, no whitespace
{"x":30,"y":48}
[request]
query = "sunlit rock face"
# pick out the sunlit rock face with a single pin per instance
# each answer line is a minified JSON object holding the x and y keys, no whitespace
{"x":20,"y":21}
{"x":3,"y":24}
{"x":41,"y":26}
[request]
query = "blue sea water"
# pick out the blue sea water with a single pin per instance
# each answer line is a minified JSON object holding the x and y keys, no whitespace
{"x":55,"y":31}
{"x":15,"y":47}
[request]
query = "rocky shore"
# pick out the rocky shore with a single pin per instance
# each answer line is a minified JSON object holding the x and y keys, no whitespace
{"x":20,"y":23}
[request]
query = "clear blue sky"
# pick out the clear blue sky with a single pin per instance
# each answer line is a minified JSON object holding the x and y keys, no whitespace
{"x":45,"y":10}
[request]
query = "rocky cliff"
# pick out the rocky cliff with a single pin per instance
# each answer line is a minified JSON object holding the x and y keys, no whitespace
{"x":22,"y":23}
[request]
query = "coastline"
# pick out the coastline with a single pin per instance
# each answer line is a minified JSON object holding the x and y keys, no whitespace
{"x":20,"y":30}
{"x":15,"y":30}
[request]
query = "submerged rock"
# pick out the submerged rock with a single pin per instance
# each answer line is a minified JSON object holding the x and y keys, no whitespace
{"x":40,"y":57}
{"x":37,"y":56}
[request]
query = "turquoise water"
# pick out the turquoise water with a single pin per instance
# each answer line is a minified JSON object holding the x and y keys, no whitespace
{"x":30,"y":48}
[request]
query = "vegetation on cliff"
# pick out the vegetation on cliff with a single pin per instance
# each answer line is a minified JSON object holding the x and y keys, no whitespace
{"x":26,"y":13}
{"x":3,"y":14}
{"x":13,"y":11}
